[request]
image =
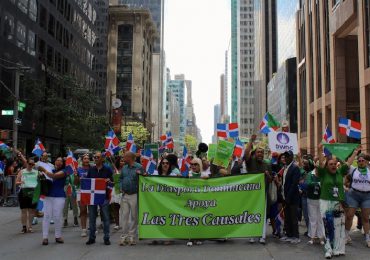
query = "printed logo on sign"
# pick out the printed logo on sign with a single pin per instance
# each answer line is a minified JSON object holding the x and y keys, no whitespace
{"x":282,"y":138}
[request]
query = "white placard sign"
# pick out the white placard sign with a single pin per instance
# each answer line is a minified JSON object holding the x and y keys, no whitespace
{"x":281,"y":142}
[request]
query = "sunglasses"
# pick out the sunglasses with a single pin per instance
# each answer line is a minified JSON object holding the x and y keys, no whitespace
{"x":361,"y":161}
{"x":194,"y":164}
{"x":31,"y":164}
{"x":97,"y":157}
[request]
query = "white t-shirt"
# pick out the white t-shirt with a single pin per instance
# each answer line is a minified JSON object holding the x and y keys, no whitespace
{"x":360,"y":182}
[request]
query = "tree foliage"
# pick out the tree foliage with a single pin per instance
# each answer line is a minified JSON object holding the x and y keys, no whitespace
{"x":140,"y":133}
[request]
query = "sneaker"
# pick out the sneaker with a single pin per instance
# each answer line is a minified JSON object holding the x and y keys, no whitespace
{"x":131,"y":241}
{"x":284,"y":239}
{"x":262,"y":241}
{"x":107,"y":242}
{"x":189,"y":243}
{"x":52,"y":222}
{"x":75,"y":222}
{"x":251,"y":240}
{"x":328,"y":255}
{"x":90,"y":242}
{"x":83,"y":233}
{"x":34,"y":221}
{"x":322,"y":242}
{"x":368,"y":243}
{"x":295,"y":241}
{"x":348,"y":240}
{"x":310,"y":242}
{"x":65,"y":224}
{"x":198,"y":242}
{"x":29,"y":230}
{"x":24,"y":230}
{"x":45,"y":242}
{"x":117,"y":228}
{"x":123,"y":241}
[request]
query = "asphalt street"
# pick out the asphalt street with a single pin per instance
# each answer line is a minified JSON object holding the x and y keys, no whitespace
{"x":14,"y":245}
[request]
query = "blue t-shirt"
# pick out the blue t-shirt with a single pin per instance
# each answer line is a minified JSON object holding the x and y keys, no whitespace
{"x":82,"y":172}
{"x":57,"y":187}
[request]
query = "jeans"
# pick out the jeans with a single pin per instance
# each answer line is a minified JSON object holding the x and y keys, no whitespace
{"x":93,"y":213}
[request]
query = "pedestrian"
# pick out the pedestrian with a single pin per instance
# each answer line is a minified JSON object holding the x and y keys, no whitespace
{"x":255,"y":164}
{"x":54,"y":201}
{"x":174,"y":167}
{"x":99,"y":171}
{"x":358,"y":196}
{"x":82,"y":173}
{"x":117,"y":196}
{"x":164,"y":168}
{"x":316,"y":224}
{"x":71,"y":200}
{"x":27,"y":181}
{"x":331,"y":199}
{"x":291,"y":198}
{"x":129,"y":183}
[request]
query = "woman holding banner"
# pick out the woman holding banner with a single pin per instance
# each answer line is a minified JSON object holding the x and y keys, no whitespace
{"x":54,"y":201}
{"x":27,"y":180}
{"x":358,"y":196}
{"x":331,"y":198}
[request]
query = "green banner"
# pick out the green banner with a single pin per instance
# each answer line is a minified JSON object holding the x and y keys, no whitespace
{"x":185,"y":208}
{"x":341,"y":150}
{"x":212,"y":148}
{"x":154,"y":148}
{"x":223,"y":153}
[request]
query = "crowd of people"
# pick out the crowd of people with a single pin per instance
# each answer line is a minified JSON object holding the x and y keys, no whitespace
{"x":324,"y":192}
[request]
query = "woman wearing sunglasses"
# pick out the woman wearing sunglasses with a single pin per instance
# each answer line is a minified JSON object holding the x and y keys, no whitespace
{"x":27,"y":180}
{"x":358,"y":196}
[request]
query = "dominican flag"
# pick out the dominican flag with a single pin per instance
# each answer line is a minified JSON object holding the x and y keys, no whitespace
{"x":147,"y":161}
{"x":93,"y":191}
{"x":167,"y":141}
{"x":279,"y":220}
{"x":184,"y":163}
{"x":3,"y":146}
{"x":228,"y":130}
{"x":268,"y":124}
{"x":350,"y":128}
{"x":130,"y":144}
{"x":39,"y":148}
{"x":238,"y":149}
{"x":328,"y":137}
{"x":111,"y":144}
{"x":40,"y":203}
{"x":71,"y":163}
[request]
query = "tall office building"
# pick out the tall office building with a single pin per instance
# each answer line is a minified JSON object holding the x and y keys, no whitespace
{"x":242,"y":65}
{"x":129,"y":75}
{"x":216,"y":119}
{"x":333,"y":69}
{"x":52,"y":38}
{"x":265,"y":54}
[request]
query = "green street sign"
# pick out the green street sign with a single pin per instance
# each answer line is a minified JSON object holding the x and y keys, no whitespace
{"x":7,"y":112}
{"x":21,"y":106}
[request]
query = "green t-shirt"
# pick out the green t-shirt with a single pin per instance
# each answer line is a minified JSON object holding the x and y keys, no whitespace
{"x":195,"y":175}
{"x":313,"y":186}
{"x":329,"y":181}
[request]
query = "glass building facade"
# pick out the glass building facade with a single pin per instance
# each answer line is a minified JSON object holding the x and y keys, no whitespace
{"x":156,"y":8}
{"x":234,"y":60}
{"x":177,"y":88}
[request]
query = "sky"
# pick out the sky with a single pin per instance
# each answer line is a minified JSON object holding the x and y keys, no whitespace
{"x":196,"y":36}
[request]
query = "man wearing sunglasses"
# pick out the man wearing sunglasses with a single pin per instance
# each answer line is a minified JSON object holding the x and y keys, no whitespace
{"x":99,"y":171}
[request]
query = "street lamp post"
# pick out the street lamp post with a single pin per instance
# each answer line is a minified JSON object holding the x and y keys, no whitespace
{"x":15,"y":113}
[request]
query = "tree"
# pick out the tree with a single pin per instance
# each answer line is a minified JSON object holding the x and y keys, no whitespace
{"x":140,"y":133}
{"x":191,"y":143}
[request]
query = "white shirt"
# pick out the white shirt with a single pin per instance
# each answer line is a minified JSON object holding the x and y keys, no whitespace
{"x":360,"y":182}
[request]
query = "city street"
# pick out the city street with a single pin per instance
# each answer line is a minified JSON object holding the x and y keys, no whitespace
{"x":14,"y":245}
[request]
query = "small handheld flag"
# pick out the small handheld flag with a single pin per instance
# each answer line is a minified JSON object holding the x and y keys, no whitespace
{"x":268,"y":124}
{"x":130,"y":144}
{"x":350,"y":128}
{"x":238,"y":149}
{"x":111,"y":144}
{"x":184,"y":163}
{"x":71,"y":163}
{"x":39,"y":148}
{"x":148,"y":162}
{"x":227,"y":130}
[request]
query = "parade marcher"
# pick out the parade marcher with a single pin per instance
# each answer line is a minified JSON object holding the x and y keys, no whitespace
{"x":316,"y":224}
{"x":206,"y":168}
{"x":82,"y":173}
{"x":164,"y":168}
{"x":291,"y":197}
{"x":27,"y":180}
{"x":359,"y":196}
{"x":116,"y":197}
{"x":255,"y":163}
{"x":129,"y":185}
{"x":174,"y":167}
{"x":104,"y":172}
{"x":54,"y":201}
{"x":331,"y":199}
{"x":71,"y":201}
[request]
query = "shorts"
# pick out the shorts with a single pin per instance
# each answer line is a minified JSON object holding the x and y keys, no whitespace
{"x":356,"y":199}
{"x":25,"y":199}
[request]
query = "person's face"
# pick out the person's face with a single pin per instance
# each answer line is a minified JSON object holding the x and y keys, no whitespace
{"x":259,"y":154}
{"x":85,"y":160}
{"x":98,"y":158}
{"x":288,"y":159}
{"x":127,"y":159}
{"x":58,"y":162}
{"x":165,"y":165}
{"x":306,"y":164}
{"x":361,"y":162}
{"x":332,"y":166}
{"x":195,"y":167}
{"x":31,"y":164}
{"x":44,"y":157}
{"x":282,"y":159}
{"x":205,"y":164}
{"x":121,"y":162}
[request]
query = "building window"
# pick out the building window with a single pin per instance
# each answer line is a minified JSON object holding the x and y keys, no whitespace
{"x":367,"y":31}
{"x":21,"y":35}
{"x":8,"y":26}
{"x":51,"y":25}
{"x":22,"y":5}
{"x":32,"y":12}
{"x":43,"y":17}
{"x":31,"y":43}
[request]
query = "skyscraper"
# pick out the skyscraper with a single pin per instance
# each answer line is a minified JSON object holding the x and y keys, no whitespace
{"x":234,"y":60}
{"x":216,"y":119}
